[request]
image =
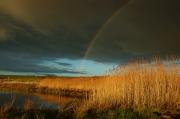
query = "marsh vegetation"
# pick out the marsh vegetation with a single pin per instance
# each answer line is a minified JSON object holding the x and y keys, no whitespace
{"x":136,"y":90}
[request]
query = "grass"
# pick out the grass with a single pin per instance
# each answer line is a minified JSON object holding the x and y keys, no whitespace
{"x":118,"y":113}
{"x":136,"y":85}
{"x":80,"y":83}
{"x":140,"y":86}
{"x":34,"y":79}
{"x":7,"y":112}
{"x":126,"y":91}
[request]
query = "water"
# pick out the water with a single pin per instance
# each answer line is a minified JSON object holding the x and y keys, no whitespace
{"x":39,"y":101}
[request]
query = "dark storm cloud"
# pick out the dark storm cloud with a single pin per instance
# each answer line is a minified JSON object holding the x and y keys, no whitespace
{"x":143,"y":28}
{"x":74,"y":14}
{"x":27,"y":41}
{"x":59,"y":29}
{"x":15,"y":63}
{"x":3,"y":34}
{"x":39,"y":29}
{"x":63,"y":64}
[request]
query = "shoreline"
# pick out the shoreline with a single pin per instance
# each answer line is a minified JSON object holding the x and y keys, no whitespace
{"x":26,"y":87}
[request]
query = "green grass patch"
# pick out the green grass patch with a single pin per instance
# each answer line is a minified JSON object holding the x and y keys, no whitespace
{"x":118,"y":114}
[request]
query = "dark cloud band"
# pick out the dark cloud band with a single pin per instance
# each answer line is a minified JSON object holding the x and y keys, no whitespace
{"x":66,"y":28}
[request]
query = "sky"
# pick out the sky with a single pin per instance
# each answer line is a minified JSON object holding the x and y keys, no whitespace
{"x":84,"y":37}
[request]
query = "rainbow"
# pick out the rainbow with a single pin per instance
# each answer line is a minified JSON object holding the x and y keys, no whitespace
{"x":94,"y":39}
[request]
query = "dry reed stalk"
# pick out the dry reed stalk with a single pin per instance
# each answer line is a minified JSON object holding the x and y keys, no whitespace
{"x":140,"y":86}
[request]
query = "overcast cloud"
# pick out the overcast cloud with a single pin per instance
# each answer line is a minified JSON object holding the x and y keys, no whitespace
{"x":35,"y":30}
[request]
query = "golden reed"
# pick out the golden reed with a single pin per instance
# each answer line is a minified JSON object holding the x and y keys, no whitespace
{"x":137,"y":85}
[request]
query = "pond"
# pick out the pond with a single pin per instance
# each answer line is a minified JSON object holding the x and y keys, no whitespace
{"x":39,"y":101}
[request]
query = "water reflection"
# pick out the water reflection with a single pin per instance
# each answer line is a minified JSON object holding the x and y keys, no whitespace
{"x":59,"y":100}
{"x":39,"y":101}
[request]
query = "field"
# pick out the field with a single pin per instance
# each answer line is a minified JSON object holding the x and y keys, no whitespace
{"x":145,"y":88}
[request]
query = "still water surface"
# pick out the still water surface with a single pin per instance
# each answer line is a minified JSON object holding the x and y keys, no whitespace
{"x":39,"y":101}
